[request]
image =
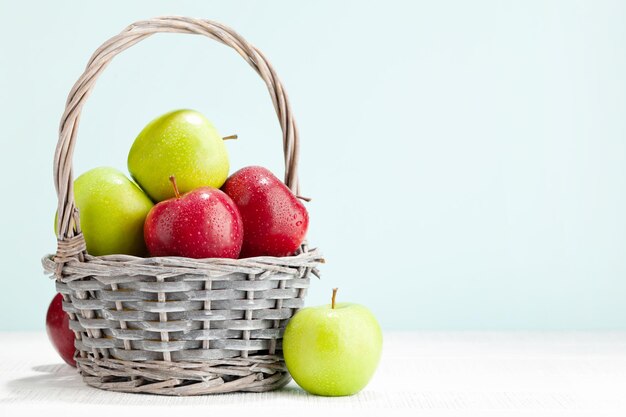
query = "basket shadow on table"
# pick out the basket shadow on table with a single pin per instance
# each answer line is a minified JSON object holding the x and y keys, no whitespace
{"x":63,"y":384}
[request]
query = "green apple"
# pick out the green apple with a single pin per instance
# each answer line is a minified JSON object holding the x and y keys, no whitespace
{"x":112,"y":211}
{"x":182,"y":143}
{"x":332,"y":350}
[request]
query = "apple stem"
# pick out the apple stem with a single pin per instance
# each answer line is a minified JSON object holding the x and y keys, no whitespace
{"x":173,"y":181}
{"x":332,"y":303}
{"x":230,"y":137}
{"x":307,"y":199}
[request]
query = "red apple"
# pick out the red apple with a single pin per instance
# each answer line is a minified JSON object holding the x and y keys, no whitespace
{"x":58,"y":329}
{"x":274,"y":220}
{"x":203,"y":223}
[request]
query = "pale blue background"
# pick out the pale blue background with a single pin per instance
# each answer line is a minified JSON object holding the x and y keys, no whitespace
{"x":467,"y":160}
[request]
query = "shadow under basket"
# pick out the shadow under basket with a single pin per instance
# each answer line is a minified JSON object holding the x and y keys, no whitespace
{"x":172,"y":325}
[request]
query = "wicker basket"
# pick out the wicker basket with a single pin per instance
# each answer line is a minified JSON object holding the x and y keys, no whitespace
{"x":171,"y":325}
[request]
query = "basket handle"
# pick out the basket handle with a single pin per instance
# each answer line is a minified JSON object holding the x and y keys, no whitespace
{"x":63,"y":176}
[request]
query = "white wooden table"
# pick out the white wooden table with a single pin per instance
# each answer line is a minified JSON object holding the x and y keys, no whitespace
{"x":420,"y":374}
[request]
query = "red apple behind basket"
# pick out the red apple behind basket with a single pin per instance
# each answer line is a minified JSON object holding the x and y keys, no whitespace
{"x":203,"y":223}
{"x":274,"y":220}
{"x":58,"y":329}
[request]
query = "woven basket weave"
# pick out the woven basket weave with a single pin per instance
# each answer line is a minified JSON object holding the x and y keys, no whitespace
{"x":171,"y":325}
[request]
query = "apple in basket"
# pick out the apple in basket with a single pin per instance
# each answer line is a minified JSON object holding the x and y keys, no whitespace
{"x":58,"y":329}
{"x":203,"y":223}
{"x":182,"y":143}
{"x":112,"y":212}
{"x":274,"y":220}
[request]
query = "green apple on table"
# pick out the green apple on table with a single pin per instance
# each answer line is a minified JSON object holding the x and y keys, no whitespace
{"x":332,"y":350}
{"x":182,"y":143}
{"x":112,"y":211}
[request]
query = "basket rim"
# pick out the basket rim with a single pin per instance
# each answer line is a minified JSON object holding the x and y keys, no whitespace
{"x":81,"y":264}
